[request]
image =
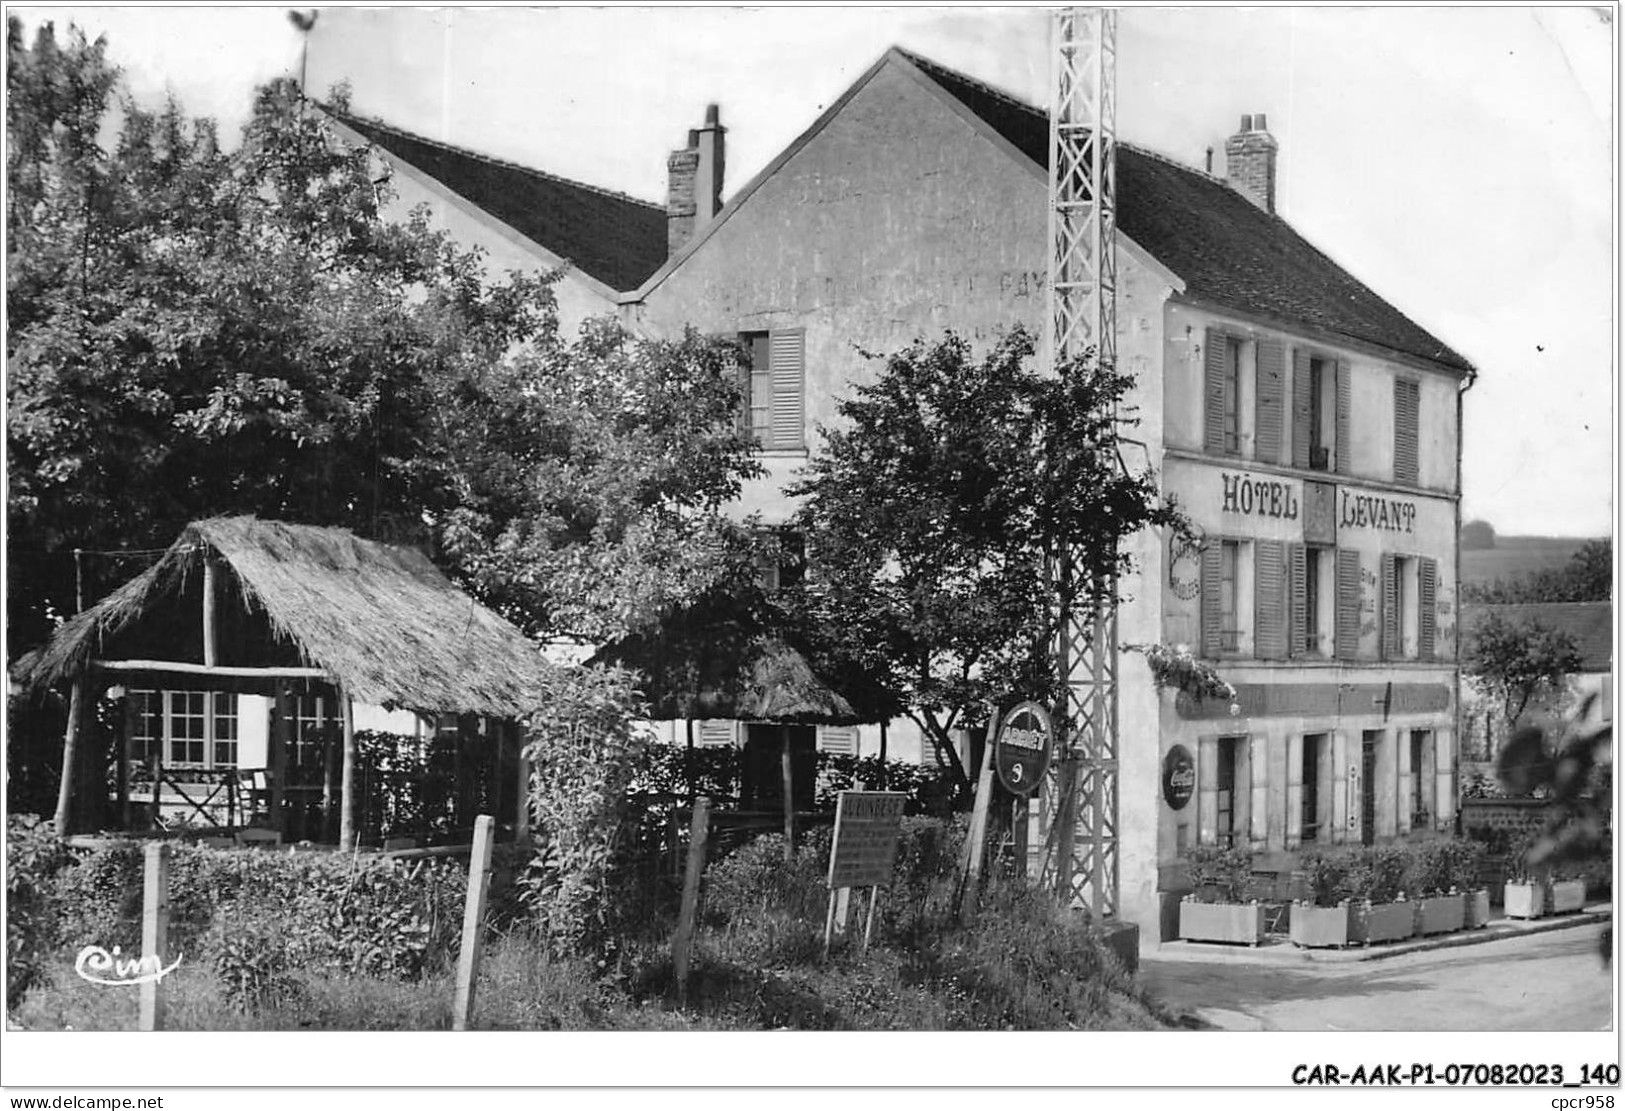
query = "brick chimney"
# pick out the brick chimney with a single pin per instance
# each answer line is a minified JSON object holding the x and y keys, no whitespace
{"x":1249,"y":157}
{"x":694,"y":182}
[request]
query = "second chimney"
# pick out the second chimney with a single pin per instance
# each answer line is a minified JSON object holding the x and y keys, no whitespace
{"x":1249,"y":157}
{"x":694,"y":182}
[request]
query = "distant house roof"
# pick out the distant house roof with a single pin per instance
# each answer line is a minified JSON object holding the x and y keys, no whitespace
{"x":617,"y":239}
{"x":1225,"y":248}
{"x":379,"y":619}
{"x":1591,"y":624}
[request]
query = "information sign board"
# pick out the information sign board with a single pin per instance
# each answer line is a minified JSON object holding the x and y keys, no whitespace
{"x":864,"y":851}
{"x":1021,"y":753}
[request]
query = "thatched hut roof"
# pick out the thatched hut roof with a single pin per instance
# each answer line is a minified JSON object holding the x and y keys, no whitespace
{"x":381,"y":620}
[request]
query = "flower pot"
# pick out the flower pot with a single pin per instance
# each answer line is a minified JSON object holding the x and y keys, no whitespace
{"x":1477,"y":907}
{"x":1440,"y":914}
{"x":1524,"y":900}
{"x":1382,"y":922}
{"x":1234,"y":922}
{"x":1566,"y":896}
{"x":1314,"y":927}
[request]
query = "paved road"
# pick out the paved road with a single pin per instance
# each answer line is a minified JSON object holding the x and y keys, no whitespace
{"x":1550,"y":981}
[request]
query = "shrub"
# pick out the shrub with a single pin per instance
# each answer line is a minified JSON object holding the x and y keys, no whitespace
{"x":766,"y":911}
{"x":1220,"y":874}
{"x":1427,"y":868}
{"x":1377,"y":873}
{"x":1327,"y":873}
{"x":34,"y":856}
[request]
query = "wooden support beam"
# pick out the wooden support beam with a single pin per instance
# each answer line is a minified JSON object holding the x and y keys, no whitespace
{"x":521,"y":818}
{"x":682,"y":946}
{"x":154,"y":933}
{"x":126,"y":756}
{"x":210,"y":643}
{"x":70,"y":755}
{"x":179,"y":667}
{"x":785,"y":767}
{"x":281,"y":741}
{"x":347,"y":827}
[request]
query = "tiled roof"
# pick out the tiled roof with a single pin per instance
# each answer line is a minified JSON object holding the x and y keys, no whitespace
{"x":615,"y":238}
{"x":1591,"y":624}
{"x":1226,"y":249}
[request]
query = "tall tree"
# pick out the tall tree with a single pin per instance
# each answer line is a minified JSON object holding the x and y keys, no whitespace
{"x":193,"y":331}
{"x":937,"y":515}
{"x":1515,"y":663}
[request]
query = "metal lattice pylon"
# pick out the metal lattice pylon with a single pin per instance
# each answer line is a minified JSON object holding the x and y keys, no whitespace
{"x":1079,"y":805}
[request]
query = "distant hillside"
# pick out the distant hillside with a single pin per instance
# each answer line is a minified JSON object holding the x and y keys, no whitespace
{"x":1516,"y":556}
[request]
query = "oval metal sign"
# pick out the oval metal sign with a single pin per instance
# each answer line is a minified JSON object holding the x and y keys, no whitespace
{"x":1022,"y":753}
{"x":1178,"y":777}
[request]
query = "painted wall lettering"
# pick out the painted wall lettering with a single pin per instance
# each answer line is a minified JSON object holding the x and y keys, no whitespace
{"x":1259,"y":497}
{"x":1373,"y":512}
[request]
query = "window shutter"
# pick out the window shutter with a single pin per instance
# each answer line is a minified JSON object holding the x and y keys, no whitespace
{"x":1211,"y":618}
{"x":1258,"y":813}
{"x":1408,"y":778}
{"x":842,"y":740}
{"x":1269,"y":617}
{"x":786,"y":362}
{"x":1390,"y":616}
{"x":1297,"y":589}
{"x":1427,"y":575}
{"x":1406,"y":402}
{"x":1270,"y":398}
{"x":1340,"y":787}
{"x":1294,"y":790}
{"x":1444,"y":806}
{"x":1207,"y":790}
{"x":1301,"y":413}
{"x":759,"y":390}
{"x":716,"y":734}
{"x":1344,"y":447}
{"x":1348,"y":604}
{"x":1213,"y":354}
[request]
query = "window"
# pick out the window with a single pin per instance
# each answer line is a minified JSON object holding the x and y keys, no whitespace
{"x":1227,"y":597}
{"x":1409,"y":586}
{"x":1320,"y":412}
{"x":195,"y":728}
{"x":1316,"y":612}
{"x":785,"y":564}
{"x":774,"y":385}
{"x":1407,"y":404}
{"x":1314,"y":756}
{"x":1226,"y":785}
{"x":1223,"y":404}
{"x":314,"y":719}
{"x":1421,"y":757}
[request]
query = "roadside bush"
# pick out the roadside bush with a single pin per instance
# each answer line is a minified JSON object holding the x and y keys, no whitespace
{"x":1428,"y":869}
{"x":1377,"y":872}
{"x":34,"y":856}
{"x":1220,"y":874}
{"x":766,"y":911}
{"x":1328,"y":875}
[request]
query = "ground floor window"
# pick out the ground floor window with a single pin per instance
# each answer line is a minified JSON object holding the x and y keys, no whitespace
{"x":196,"y":729}
{"x":1226,"y":783}
{"x":1421,"y":764}
{"x":1315,"y":757}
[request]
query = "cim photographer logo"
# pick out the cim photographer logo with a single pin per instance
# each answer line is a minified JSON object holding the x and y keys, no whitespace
{"x":101,"y":967}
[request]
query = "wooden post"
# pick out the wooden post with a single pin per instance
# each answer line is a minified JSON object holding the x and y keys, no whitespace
{"x":281,"y":740}
{"x":154,"y":933}
{"x":521,"y":818}
{"x":210,"y":624}
{"x":682,"y":945}
{"x":688,"y":757}
{"x":347,"y":830}
{"x":70,"y":755}
{"x":843,"y":909}
{"x":789,"y":794}
{"x":869,"y":921}
{"x":468,"y":956}
{"x":883,"y":775}
{"x":126,"y":755}
{"x":976,"y":843}
{"x":496,"y":736}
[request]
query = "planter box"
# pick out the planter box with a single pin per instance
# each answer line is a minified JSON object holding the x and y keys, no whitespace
{"x":1524,"y":900}
{"x":1384,"y":922}
{"x":1235,"y":922}
{"x":1477,"y":905}
{"x":1314,"y":927}
{"x":1440,"y":914}
{"x":1566,"y":896}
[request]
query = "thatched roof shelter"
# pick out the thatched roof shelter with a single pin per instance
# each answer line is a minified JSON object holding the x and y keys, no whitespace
{"x":378,"y":620}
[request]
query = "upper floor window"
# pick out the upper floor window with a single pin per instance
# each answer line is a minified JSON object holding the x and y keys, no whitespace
{"x":1409,"y":588}
{"x":1320,"y":412}
{"x":1222,"y":401}
{"x":774,"y":385}
{"x":1407,"y":405}
{"x":1227,"y":594}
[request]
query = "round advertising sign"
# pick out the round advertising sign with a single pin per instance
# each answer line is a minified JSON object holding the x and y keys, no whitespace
{"x":1021,"y":754}
{"x":1178,"y":777}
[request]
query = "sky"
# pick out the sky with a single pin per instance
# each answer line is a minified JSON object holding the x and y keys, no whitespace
{"x":1459,"y":161}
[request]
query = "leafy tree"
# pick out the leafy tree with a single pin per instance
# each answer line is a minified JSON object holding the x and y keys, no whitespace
{"x":1587,"y":577}
{"x":193,"y":331}
{"x":937,"y":515}
{"x":1514,"y":663}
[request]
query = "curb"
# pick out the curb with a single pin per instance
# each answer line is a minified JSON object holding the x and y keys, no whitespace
{"x":1284,"y":952}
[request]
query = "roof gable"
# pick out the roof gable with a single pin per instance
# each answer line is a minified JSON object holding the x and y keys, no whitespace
{"x":618,"y":240}
{"x":1226,"y":249}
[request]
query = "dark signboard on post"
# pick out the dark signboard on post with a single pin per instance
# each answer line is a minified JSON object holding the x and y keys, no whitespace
{"x":864,"y":851}
{"x":1178,"y":777}
{"x":1022,"y":750}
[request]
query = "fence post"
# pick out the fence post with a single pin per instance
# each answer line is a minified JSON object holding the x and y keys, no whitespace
{"x":154,"y":933}
{"x":682,"y":945}
{"x":468,"y":956}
